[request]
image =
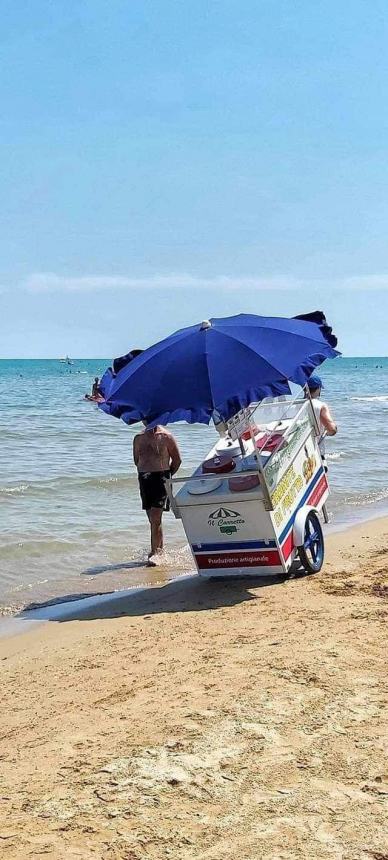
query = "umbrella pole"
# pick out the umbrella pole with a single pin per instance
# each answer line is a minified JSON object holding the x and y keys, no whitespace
{"x":325,"y":512}
{"x":263,"y":482}
{"x":312,"y":413}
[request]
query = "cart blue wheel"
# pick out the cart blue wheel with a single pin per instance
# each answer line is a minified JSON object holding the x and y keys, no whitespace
{"x":312,"y":552}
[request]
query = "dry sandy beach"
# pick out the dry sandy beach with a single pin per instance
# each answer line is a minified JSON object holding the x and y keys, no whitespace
{"x":205,"y":721}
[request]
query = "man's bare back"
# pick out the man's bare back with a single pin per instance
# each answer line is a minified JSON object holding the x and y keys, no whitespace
{"x":156,"y":451}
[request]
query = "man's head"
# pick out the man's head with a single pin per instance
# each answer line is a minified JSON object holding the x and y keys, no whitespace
{"x":314,"y":385}
{"x":96,"y":378}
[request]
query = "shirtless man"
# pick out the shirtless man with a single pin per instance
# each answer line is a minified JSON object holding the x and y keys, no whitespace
{"x":156,"y":457}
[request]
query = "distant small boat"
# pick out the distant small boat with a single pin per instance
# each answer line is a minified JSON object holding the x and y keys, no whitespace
{"x":66,"y":360}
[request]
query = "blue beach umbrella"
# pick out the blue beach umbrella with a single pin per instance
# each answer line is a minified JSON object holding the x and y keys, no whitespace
{"x":219,"y":366}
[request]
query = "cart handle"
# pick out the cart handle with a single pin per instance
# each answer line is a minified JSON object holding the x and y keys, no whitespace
{"x":183,"y":478}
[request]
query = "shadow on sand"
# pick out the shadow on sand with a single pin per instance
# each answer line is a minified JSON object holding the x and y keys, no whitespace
{"x":188,"y":594}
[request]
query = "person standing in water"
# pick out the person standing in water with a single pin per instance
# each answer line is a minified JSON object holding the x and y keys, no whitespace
{"x":156,"y":457}
{"x":325,"y":422}
{"x":95,"y":388}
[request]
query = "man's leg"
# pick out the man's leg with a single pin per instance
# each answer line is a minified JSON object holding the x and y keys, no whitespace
{"x":155,"y":518}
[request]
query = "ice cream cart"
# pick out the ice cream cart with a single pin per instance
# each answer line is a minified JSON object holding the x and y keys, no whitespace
{"x":252,"y":508}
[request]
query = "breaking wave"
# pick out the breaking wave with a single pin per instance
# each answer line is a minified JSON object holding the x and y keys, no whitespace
{"x":361,"y":499}
{"x":18,"y":488}
{"x":55,"y":485}
{"x":373,"y":398}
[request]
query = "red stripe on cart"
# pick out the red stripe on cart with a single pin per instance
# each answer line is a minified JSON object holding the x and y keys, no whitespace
{"x":316,"y":495}
{"x":288,"y":546}
{"x":206,"y":561}
{"x":318,"y":491}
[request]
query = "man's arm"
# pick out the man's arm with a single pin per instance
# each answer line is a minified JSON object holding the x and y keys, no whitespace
{"x":175,"y":457}
{"x":136,"y":450}
{"x":328,"y":422}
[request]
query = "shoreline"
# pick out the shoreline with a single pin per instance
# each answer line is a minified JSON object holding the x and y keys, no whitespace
{"x":59,"y":610}
{"x":162,"y":723}
{"x":54,"y":609}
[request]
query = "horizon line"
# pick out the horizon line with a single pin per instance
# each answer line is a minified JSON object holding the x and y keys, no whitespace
{"x":109,"y":359}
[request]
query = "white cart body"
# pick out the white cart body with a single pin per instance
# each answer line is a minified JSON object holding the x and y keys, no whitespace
{"x":234,"y":531}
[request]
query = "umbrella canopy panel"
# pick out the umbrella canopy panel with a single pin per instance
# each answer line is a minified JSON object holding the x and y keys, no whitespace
{"x":218,"y":366}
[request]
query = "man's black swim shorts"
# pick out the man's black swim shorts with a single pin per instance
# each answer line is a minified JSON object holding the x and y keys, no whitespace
{"x":153,"y":490}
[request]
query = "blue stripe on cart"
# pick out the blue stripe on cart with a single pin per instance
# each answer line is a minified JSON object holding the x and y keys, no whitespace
{"x":235,"y":545}
{"x":302,"y":502}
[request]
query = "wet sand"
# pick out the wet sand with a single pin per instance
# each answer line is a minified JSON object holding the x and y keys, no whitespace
{"x":205,"y":720}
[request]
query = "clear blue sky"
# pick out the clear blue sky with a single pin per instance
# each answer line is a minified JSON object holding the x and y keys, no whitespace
{"x":166,"y":161}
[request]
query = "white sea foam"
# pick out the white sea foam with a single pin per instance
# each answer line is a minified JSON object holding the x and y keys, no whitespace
{"x":336,"y":455}
{"x":9,"y":491}
{"x":378,"y":398}
{"x":369,"y":498}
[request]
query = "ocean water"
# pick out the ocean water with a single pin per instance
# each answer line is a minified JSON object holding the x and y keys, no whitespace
{"x":70,"y":517}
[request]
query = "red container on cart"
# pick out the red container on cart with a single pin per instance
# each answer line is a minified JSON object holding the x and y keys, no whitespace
{"x":219,"y":464}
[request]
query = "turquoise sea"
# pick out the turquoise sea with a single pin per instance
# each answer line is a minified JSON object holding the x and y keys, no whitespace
{"x":70,"y":517}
